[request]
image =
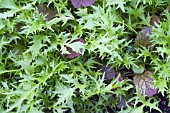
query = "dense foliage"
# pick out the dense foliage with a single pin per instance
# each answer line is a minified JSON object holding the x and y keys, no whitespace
{"x":93,"y":56}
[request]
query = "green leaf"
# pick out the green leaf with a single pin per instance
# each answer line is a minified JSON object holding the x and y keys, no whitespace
{"x":153,"y":105}
{"x":37,"y":43}
{"x":77,"y":46}
{"x":120,"y":3}
{"x":25,"y":95}
{"x":9,"y":4}
{"x":137,"y":110}
{"x":89,"y":25}
{"x":1,"y":25}
{"x":34,"y":110}
{"x":17,"y":104}
{"x":64,"y":93}
{"x":7,"y":14}
{"x":32,"y":29}
{"x":168,"y":97}
{"x":161,"y":85}
{"x":138,"y":69}
{"x":63,"y":19}
{"x":144,"y":2}
{"x":26,"y":65}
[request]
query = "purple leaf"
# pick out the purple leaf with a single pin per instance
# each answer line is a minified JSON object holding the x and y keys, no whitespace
{"x":109,"y":72}
{"x":50,"y":14}
{"x":143,"y":38}
{"x":122,"y":102}
{"x":120,"y":78}
{"x":73,"y":54}
{"x":144,"y":84}
{"x":79,"y":3}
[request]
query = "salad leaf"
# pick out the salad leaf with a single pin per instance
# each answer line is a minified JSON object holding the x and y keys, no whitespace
{"x":79,"y":3}
{"x":144,"y":84}
{"x":109,"y":72}
{"x":143,"y":38}
{"x":75,"y":48}
{"x":50,"y":14}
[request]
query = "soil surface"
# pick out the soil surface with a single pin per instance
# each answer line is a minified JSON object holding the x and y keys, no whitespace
{"x":163,"y":105}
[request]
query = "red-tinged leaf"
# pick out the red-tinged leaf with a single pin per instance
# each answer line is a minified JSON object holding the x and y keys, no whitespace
{"x":154,"y":20}
{"x":120,"y":78}
{"x":73,"y":53}
{"x":79,"y":3}
{"x":122,"y":102}
{"x":109,"y":72}
{"x":143,"y":38}
{"x":48,"y":13}
{"x":144,"y":84}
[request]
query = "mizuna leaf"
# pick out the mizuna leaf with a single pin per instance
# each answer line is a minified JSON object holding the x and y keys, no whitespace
{"x":79,"y":3}
{"x":37,"y":43}
{"x":137,"y":109}
{"x":34,"y":110}
{"x":9,"y":4}
{"x":75,"y":48}
{"x":64,"y":93}
{"x":14,"y":9}
{"x":120,"y":4}
{"x":144,"y":84}
{"x":161,"y":85}
{"x":7,"y":14}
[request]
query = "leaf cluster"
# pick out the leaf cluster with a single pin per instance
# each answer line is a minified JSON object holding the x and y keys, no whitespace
{"x":36,"y":76}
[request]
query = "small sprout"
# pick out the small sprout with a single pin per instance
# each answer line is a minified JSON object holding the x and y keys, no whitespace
{"x":144,"y":84}
{"x":138,"y":69}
